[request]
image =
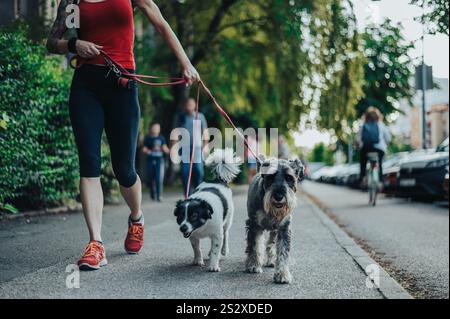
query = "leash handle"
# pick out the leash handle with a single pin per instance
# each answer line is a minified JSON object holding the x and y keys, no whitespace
{"x":116,"y":67}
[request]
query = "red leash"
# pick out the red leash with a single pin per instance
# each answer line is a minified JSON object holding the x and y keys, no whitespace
{"x":122,"y":73}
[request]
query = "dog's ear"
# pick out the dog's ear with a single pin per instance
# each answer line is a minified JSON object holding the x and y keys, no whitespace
{"x":298,"y":168}
{"x":269,"y":166}
{"x":177,"y":207}
{"x":260,"y":163}
{"x":206,"y":210}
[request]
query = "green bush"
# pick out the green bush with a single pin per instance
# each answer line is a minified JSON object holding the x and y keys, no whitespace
{"x":38,"y":160}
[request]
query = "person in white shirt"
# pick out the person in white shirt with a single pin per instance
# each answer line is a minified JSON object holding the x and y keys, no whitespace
{"x":373,"y":136}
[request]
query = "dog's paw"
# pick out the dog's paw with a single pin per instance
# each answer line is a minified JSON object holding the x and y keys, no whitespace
{"x":198,"y":263}
{"x":212,"y":268}
{"x":254,"y":269}
{"x":282,"y":277}
{"x":269,"y":264}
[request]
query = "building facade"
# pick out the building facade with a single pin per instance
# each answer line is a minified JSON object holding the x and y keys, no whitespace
{"x":408,"y":126}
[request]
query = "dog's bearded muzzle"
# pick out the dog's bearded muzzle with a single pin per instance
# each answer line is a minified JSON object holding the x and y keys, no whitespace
{"x":279,"y":204}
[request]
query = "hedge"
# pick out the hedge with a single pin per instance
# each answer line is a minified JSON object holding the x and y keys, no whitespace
{"x":38,"y":158}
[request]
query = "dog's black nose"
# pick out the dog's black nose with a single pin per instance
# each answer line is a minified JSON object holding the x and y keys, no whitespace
{"x":183,"y":228}
{"x":278,"y":197}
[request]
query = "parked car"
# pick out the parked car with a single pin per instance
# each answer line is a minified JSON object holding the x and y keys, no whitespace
{"x":446,"y":184}
{"x":349,"y":176}
{"x":332,"y":174}
{"x":423,"y":176}
{"x":319,"y":175}
{"x":391,"y":169}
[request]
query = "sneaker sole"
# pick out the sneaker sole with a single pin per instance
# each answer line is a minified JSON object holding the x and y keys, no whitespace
{"x":132,"y":252}
{"x":87,"y":267}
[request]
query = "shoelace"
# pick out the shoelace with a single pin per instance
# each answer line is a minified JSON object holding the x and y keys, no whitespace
{"x":93,"y":249}
{"x":135,"y":232}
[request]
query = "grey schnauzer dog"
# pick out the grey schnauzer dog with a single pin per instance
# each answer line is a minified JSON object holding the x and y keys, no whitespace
{"x":271,"y":200}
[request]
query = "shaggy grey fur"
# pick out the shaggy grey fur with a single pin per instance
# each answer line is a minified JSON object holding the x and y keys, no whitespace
{"x":271,"y":200}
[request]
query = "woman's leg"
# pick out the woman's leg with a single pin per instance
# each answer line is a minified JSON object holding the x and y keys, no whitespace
{"x":380,"y":164}
{"x":87,"y":119}
{"x":122,"y":114}
{"x":92,"y":201}
{"x":133,"y":198}
{"x":363,"y":164}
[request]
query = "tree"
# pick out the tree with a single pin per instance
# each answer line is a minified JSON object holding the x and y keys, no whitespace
{"x":388,"y":70}
{"x":436,"y":15}
{"x":342,"y":64}
{"x":258,"y":57}
{"x":321,"y":153}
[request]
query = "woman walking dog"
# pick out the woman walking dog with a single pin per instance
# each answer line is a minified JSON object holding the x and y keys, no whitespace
{"x":97,"y":103}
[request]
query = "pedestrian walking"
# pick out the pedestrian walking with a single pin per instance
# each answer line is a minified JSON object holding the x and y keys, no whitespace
{"x":186,"y":120}
{"x":155,"y":147}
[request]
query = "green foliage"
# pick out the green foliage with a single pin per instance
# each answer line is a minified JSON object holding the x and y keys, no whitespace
{"x":436,"y":15}
{"x":341,"y":62}
{"x":260,"y":58}
{"x":396,"y":147}
{"x":321,"y":154}
{"x":38,"y":161}
{"x":388,"y":70}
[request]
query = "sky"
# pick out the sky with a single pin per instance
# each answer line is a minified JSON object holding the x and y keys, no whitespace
{"x":436,"y":46}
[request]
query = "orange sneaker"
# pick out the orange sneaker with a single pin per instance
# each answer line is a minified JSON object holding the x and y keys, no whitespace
{"x":93,"y":257}
{"x":135,"y":236}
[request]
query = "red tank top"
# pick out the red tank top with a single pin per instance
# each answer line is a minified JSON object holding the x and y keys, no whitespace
{"x":109,"y":23}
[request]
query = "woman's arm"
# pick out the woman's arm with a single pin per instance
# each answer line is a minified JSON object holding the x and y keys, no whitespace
{"x":152,"y":12}
{"x":57,"y":45}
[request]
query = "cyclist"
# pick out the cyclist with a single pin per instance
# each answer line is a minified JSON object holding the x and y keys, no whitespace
{"x":373,"y":137}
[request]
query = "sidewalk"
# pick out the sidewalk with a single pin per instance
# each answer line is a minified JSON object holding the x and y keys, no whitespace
{"x":321,"y":265}
{"x":410,"y":239}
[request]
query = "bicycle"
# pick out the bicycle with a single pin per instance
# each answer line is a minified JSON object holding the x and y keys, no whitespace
{"x":373,"y":177}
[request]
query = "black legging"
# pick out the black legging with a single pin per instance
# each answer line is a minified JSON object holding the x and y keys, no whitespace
{"x":97,"y":103}
{"x":363,"y":161}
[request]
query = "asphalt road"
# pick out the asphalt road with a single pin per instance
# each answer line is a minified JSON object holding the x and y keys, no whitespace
{"x":410,"y":239}
{"x":34,"y":255}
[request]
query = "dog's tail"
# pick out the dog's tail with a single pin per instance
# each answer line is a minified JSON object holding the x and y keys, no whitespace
{"x":224,"y":164}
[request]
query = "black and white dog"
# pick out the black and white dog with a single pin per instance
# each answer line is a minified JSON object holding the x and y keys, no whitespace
{"x":208,"y":212}
{"x":271,"y":200}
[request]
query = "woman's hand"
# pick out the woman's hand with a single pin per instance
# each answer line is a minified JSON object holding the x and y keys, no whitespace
{"x":87,"y":50}
{"x":190,"y":74}
{"x":152,"y":12}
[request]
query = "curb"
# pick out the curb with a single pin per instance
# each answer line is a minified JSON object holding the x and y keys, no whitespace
{"x":388,"y":286}
{"x":40,"y":213}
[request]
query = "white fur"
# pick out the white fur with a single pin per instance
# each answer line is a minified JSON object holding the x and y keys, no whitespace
{"x":217,"y":228}
{"x":224,"y":163}
{"x":225,"y":166}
